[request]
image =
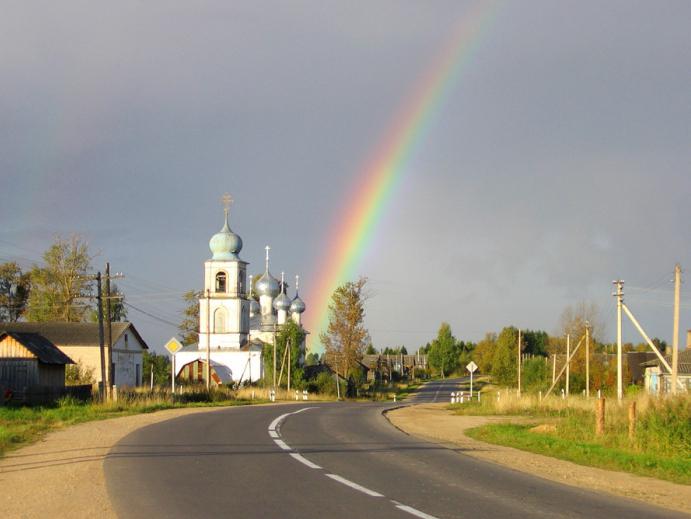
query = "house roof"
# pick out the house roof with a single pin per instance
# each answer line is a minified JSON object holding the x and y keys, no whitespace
{"x":684,"y":362}
{"x":72,"y":334}
{"x":44,"y":350}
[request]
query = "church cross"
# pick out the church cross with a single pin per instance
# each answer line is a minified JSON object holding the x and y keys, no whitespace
{"x":227,"y":201}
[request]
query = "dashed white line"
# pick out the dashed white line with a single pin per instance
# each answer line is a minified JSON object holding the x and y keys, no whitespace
{"x":350,"y":484}
{"x":415,"y":512}
{"x":304,"y":460}
{"x":274,"y":432}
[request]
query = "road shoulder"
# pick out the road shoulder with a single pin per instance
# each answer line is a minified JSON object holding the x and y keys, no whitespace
{"x":435,"y":423}
{"x":62,"y":475}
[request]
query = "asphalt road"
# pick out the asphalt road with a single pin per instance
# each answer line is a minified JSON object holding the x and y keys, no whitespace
{"x":334,"y":460}
{"x":439,"y":390}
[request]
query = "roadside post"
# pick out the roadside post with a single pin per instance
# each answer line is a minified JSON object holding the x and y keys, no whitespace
{"x":472,"y":367}
{"x":173,"y":346}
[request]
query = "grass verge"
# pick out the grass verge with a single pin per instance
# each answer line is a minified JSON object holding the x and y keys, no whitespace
{"x":660,"y":446}
{"x":23,"y":425}
{"x":676,"y":469}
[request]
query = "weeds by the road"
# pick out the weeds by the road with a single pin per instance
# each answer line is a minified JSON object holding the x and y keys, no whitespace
{"x":22,"y":425}
{"x":660,"y":447}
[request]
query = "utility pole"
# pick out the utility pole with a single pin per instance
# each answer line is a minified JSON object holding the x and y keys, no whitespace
{"x":587,"y":359}
{"x":109,"y":335}
{"x":288,"y":346}
{"x":519,"y":362}
{"x":208,"y":340}
{"x":99,"y":309}
{"x":568,"y":363}
{"x":274,"y":358}
{"x":675,"y":333}
{"x":554,"y":367}
{"x":619,"y":294}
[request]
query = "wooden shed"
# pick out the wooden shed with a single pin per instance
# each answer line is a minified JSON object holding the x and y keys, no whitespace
{"x":30,"y":360}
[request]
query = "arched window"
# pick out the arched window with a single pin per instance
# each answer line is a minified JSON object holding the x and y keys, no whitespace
{"x":220,"y":321}
{"x":221,"y":282}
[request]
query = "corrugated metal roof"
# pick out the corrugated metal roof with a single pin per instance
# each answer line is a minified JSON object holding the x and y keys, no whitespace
{"x":44,"y":350}
{"x":684,"y":362}
{"x":72,"y":334}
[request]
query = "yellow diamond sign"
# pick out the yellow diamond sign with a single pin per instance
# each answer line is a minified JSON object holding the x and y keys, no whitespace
{"x":173,"y":346}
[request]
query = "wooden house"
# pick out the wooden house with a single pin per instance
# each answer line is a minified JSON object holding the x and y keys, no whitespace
{"x":30,"y":360}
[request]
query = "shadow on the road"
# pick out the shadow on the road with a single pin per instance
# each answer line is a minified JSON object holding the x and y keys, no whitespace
{"x":204,"y":450}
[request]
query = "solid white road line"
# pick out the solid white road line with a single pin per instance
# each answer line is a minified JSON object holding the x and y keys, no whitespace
{"x":282,"y":444}
{"x":274,"y":425}
{"x":304,"y":460}
{"x":350,"y":484}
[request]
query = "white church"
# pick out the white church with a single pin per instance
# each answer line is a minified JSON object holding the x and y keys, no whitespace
{"x":233,"y":327}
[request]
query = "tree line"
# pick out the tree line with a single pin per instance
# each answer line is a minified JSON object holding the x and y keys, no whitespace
{"x":61,"y":289}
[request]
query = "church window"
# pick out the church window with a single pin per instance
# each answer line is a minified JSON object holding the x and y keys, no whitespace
{"x":221,"y":282}
{"x":219,"y":320}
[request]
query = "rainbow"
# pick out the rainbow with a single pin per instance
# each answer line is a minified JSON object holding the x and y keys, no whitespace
{"x":377,"y":181}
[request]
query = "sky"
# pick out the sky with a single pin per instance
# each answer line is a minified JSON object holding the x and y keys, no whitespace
{"x":557,"y":162}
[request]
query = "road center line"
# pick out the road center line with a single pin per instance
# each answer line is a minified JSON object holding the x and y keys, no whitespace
{"x":355,"y":486}
{"x":304,"y":460}
{"x":275,"y":433}
{"x":415,"y":512}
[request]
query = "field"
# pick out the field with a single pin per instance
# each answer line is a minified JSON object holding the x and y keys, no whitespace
{"x":565,"y":428}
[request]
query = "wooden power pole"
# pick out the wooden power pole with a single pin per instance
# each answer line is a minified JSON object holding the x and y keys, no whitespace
{"x":519,"y":362}
{"x":109,"y":336}
{"x":675,"y":332}
{"x":587,"y":359}
{"x":99,"y":308}
{"x":619,"y":294}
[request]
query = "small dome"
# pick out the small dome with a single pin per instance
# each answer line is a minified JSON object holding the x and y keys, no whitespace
{"x":225,"y":244}
{"x":267,"y":285}
{"x":297,"y":306}
{"x":254,"y":308}
{"x":282,"y":302}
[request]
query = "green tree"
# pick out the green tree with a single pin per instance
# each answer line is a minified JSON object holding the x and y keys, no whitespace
{"x":535,"y":342}
{"x":346,"y":336}
{"x":443,"y":355}
{"x":57,"y":287}
{"x":14,"y":291}
{"x":290,"y":333}
{"x":161,"y":368}
{"x":505,"y":357}
{"x":536,"y":374}
{"x":312,"y":359}
{"x":371,"y":350}
{"x":484,"y":353}
{"x":403,"y":351}
{"x":188,"y":329}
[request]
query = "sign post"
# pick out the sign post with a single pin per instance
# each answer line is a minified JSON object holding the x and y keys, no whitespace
{"x":471,"y":367}
{"x":173,"y":346}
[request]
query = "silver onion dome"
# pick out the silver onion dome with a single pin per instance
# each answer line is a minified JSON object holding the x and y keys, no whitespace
{"x":267,"y":285}
{"x":282,"y":302}
{"x":254,"y":308}
{"x":297,"y":306}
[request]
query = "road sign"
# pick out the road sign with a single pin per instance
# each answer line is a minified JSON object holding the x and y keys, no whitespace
{"x":173,"y":346}
{"x":471,"y":366}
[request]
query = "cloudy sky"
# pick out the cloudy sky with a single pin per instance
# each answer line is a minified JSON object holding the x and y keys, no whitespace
{"x":559,"y":161}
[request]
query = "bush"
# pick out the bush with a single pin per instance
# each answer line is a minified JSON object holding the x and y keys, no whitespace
{"x":79,"y":375}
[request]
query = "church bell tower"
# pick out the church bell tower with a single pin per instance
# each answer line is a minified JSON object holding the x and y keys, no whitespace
{"x":224,"y":306}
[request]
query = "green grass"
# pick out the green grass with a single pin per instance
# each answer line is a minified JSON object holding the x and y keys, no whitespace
{"x":661,"y":446}
{"x":672,"y":468}
{"x":22,"y":425}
